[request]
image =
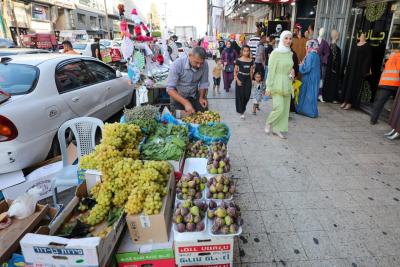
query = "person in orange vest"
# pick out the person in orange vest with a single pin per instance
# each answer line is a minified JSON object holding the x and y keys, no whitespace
{"x":388,"y":84}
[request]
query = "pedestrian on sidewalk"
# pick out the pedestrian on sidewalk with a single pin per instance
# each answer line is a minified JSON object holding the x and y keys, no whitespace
{"x":279,"y":85}
{"x":388,"y":85}
{"x":259,"y":91}
{"x":309,"y":91}
{"x":394,"y":119}
{"x":228,"y":57}
{"x":260,"y":56}
{"x":268,"y":50}
{"x":217,"y":70}
{"x":243,"y":75}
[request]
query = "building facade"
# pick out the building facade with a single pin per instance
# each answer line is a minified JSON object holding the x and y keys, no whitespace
{"x":54,"y":16}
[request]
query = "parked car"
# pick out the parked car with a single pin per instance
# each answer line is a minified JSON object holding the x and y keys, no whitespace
{"x":114,"y":47}
{"x":21,"y":51}
{"x":6,"y":43}
{"x":183,"y":48}
{"x":86,"y":50}
{"x":47,"y":90}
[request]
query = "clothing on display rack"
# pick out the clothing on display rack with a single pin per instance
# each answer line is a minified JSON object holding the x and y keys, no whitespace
{"x":330,"y":91}
{"x":357,"y":69}
{"x":142,"y":95}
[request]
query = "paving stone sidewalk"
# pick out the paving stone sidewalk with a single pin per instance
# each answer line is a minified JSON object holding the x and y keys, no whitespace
{"x":329,"y":195}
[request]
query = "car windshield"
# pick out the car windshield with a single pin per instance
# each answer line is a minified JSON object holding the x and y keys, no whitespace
{"x":7,"y":53}
{"x":17,"y":79}
{"x":178,"y":44}
{"x":106,"y":43}
{"x":79,"y":46}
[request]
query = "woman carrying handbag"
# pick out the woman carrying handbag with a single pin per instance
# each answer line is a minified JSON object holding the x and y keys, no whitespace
{"x":229,"y":57}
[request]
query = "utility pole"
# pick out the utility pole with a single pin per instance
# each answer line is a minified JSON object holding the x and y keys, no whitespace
{"x":16,"y":23}
{"x":3,"y":13}
{"x":108,"y":25}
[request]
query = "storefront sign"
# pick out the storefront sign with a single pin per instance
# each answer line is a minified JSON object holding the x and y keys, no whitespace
{"x":275,"y":28}
{"x":41,"y":26}
{"x":20,"y":14}
{"x":40,"y":12}
{"x":65,"y":3}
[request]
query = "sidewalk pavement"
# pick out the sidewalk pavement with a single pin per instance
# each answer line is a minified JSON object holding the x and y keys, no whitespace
{"x":329,"y":195}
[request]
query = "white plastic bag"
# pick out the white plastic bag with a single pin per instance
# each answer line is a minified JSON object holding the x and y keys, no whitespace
{"x":25,"y":205}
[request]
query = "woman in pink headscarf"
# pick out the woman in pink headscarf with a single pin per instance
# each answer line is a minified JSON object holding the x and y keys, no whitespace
{"x":310,"y":71}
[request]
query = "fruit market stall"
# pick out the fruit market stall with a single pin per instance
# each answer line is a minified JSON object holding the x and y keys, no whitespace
{"x":156,"y":190}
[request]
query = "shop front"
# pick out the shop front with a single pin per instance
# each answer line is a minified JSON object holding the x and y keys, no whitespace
{"x":379,"y":22}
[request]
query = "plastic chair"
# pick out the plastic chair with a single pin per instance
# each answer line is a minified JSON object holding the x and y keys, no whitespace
{"x":84,"y":130}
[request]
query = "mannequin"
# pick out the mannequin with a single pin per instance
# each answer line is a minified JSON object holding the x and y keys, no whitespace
{"x":323,"y":52}
{"x":330,"y":91}
{"x":357,"y":69}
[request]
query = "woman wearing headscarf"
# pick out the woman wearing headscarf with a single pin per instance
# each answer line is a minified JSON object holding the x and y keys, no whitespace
{"x":279,"y":85}
{"x":310,"y":71}
{"x":228,"y":58}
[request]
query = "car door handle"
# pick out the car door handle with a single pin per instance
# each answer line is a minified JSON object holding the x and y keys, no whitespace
{"x":75,"y":99}
{"x":108,"y":88}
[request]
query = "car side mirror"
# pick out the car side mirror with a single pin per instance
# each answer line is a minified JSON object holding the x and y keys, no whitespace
{"x":118,"y":74}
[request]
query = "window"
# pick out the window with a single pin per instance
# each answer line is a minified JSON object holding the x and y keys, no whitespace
{"x":40,"y":12}
{"x":81,"y":18}
{"x":72,"y":76}
{"x":93,"y":22}
{"x":100,"y":71}
{"x":79,"y":46}
{"x":18,"y":79}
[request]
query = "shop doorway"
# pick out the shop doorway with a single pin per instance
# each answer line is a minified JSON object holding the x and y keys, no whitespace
{"x":376,"y":26}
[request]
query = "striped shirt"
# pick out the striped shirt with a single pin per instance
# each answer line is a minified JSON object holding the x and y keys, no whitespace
{"x":253,"y":43}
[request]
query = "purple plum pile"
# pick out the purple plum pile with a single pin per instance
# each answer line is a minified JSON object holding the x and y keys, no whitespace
{"x":226,"y":218}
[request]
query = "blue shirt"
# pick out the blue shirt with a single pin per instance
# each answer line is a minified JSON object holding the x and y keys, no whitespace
{"x":186,"y":81}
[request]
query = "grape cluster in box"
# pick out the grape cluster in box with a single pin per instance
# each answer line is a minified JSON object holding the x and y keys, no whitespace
{"x":189,"y":216}
{"x":225,"y":218}
{"x":190,"y":186}
{"x":218,"y":159}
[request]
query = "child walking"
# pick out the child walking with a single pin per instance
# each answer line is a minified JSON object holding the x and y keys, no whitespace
{"x":243,"y":74}
{"x":259,"y":91}
{"x":217,"y":75}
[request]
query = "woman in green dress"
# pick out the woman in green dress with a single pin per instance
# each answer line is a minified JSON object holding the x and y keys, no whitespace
{"x":279,"y":85}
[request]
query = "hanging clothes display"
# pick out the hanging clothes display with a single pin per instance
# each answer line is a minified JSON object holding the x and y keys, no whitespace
{"x":133,"y":72}
{"x":330,"y":91}
{"x":357,"y":69}
{"x":139,"y":60}
{"x":127,"y":47}
{"x":142,"y":95}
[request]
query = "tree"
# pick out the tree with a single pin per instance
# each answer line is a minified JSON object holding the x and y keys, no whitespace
{"x":154,"y":17}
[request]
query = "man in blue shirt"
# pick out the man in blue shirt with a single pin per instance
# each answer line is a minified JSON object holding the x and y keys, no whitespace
{"x":188,"y":82}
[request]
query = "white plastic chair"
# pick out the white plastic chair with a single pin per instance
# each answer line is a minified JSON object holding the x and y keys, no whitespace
{"x":84,"y":130}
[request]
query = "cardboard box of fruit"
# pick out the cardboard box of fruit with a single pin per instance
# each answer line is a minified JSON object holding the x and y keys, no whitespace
{"x":203,"y":250}
{"x":10,"y":236}
{"x":156,"y":255}
{"x":154,"y":228}
{"x":43,"y":247}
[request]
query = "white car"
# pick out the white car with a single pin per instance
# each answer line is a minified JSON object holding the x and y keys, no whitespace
{"x":85,"y":48}
{"x":183,"y":48}
{"x":47,"y":90}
